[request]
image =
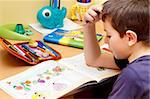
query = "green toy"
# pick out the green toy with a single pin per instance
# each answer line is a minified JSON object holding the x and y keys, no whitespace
{"x":9,"y":32}
{"x":20,"y":29}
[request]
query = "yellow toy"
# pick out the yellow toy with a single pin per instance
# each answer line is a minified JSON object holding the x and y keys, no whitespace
{"x":78,"y":10}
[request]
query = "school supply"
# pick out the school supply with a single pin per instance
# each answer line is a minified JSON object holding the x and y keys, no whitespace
{"x":53,"y":79}
{"x":84,"y":1}
{"x":68,"y":38}
{"x":33,"y":53}
{"x":52,"y":16}
{"x":68,"y":25}
{"x":79,"y":9}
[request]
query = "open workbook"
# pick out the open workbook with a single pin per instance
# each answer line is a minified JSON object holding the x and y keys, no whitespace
{"x":53,"y":79}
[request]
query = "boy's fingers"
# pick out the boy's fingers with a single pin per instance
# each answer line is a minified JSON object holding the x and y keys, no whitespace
{"x":97,"y":8}
{"x":92,"y":13}
{"x":88,"y":17}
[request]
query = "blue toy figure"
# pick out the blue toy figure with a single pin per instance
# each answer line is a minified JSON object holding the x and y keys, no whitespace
{"x":51,"y":17}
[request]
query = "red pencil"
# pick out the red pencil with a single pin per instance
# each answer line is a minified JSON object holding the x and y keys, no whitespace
{"x":83,"y":1}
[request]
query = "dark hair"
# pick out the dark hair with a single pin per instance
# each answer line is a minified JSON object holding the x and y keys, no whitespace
{"x":129,"y":15}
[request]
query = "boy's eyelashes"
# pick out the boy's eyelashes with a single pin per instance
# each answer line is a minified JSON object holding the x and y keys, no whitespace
{"x":108,"y":36}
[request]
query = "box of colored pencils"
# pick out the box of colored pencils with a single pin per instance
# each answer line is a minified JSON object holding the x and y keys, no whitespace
{"x":32,"y":52}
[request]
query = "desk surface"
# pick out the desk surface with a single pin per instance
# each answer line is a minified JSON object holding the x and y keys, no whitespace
{"x":10,"y":65}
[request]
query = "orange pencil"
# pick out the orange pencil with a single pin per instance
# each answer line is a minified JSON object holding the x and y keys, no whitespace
{"x":43,"y":50}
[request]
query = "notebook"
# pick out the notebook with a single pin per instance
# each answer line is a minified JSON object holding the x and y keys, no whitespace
{"x":68,"y":38}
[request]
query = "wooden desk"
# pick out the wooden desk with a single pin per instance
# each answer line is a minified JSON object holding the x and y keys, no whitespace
{"x":10,"y":65}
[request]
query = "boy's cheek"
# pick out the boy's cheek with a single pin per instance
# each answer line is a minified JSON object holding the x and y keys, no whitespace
{"x":106,"y":40}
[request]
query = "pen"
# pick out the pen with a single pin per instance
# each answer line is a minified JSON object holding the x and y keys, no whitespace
{"x":23,"y":53}
{"x":16,"y":49}
{"x":31,"y":52}
{"x":29,"y":49}
{"x":43,"y":45}
{"x":32,"y":56}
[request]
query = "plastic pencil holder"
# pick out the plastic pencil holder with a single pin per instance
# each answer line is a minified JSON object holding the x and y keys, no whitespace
{"x":50,"y":17}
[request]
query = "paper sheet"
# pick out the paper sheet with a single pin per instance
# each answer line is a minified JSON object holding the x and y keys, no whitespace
{"x":68,"y":25}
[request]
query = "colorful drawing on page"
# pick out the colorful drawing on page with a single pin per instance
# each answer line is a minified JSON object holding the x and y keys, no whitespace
{"x":58,"y":86}
{"x":39,"y":79}
{"x":35,"y":86}
{"x":38,"y":95}
{"x":57,"y":70}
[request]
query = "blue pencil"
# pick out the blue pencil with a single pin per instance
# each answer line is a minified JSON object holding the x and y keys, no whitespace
{"x":55,"y":3}
{"x":87,"y":1}
{"x":47,"y":47}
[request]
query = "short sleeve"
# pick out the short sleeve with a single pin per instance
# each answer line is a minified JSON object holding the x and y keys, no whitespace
{"x":124,"y":87}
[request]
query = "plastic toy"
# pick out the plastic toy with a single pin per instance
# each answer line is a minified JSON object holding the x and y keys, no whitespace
{"x":20,"y":29}
{"x":51,"y":17}
{"x":78,"y":10}
{"x":8,"y":32}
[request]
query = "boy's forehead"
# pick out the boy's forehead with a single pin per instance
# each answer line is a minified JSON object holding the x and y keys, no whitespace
{"x":107,"y":26}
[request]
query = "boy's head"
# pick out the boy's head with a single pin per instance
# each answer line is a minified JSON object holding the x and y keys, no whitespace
{"x":129,"y":18}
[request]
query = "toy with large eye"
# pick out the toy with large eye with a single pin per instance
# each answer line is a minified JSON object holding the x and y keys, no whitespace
{"x":51,"y":16}
{"x":46,"y":13}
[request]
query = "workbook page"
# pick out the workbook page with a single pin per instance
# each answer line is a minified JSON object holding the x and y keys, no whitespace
{"x":78,"y":63}
{"x":46,"y":80}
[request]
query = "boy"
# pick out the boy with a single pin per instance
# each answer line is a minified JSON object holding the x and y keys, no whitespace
{"x":126,"y":23}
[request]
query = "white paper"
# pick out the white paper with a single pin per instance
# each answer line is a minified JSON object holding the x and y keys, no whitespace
{"x":68,"y":25}
{"x":42,"y":80}
{"x":52,"y":79}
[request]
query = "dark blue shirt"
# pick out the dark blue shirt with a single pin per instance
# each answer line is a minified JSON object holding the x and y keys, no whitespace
{"x":134,"y":81}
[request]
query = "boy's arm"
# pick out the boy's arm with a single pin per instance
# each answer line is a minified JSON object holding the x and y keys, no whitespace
{"x":92,"y":51}
{"x":93,"y":55}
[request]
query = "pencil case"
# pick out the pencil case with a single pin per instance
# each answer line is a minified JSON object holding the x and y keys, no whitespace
{"x":31,"y":55}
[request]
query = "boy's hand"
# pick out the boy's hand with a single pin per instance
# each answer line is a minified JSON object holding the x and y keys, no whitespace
{"x":93,"y":14}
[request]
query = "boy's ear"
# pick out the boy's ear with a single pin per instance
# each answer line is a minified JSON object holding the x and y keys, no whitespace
{"x":132,"y":37}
